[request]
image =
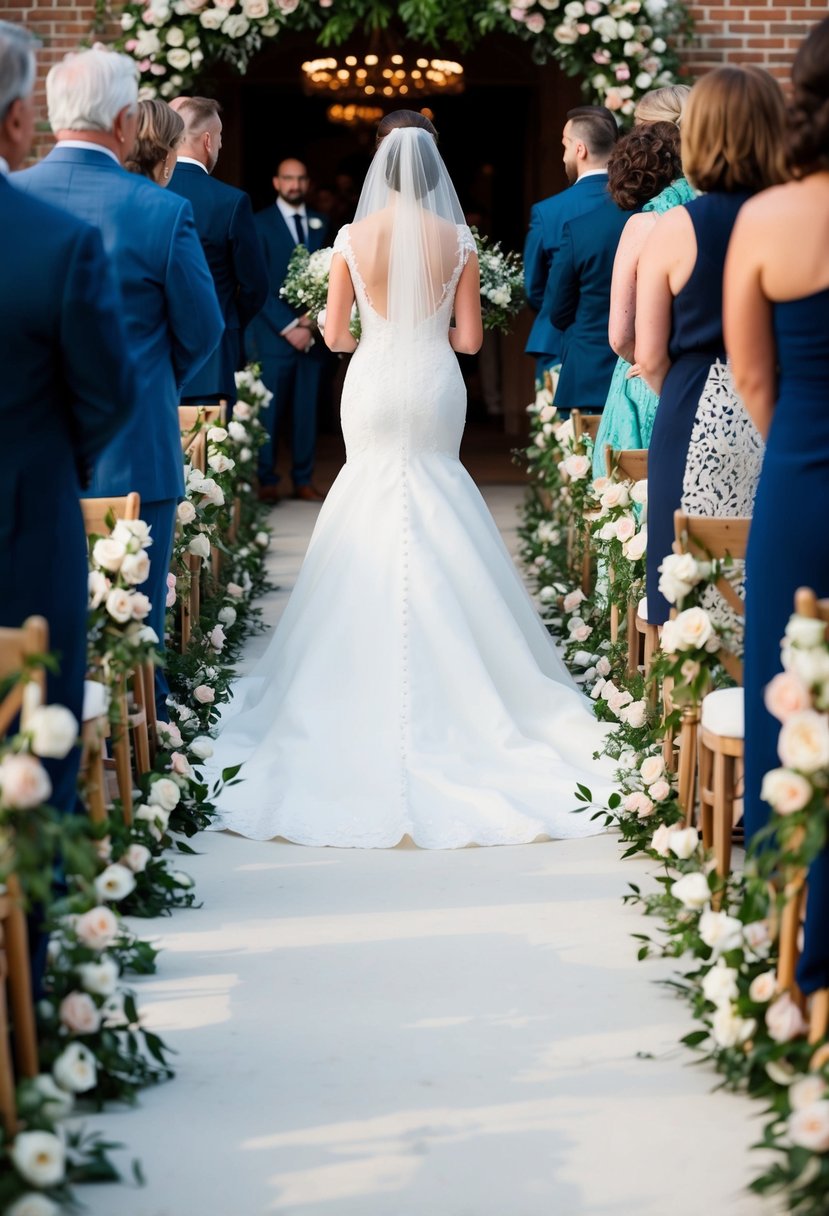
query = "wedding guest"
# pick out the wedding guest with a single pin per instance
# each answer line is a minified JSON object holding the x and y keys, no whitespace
{"x":777,"y":334}
{"x":662,"y":105}
{"x":705,"y":453}
{"x":157,"y":137}
{"x":645,"y":168}
{"x":588,"y":138}
{"x":168,"y":302}
{"x":281,"y":338}
{"x":577,"y":296}
{"x":224,"y":222}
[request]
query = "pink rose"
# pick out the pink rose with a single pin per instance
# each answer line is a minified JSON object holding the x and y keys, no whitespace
{"x":618,"y":700}
{"x":622,"y":72}
{"x":79,"y":1013}
{"x":581,"y":633}
{"x":639,"y":804}
{"x":625,"y":529}
{"x":659,"y":791}
{"x":660,"y":840}
{"x":786,"y":695}
{"x":235,"y":590}
{"x":171,"y":590}
{"x":97,"y":928}
{"x":572,"y":601}
{"x":181,"y":765}
{"x":784,"y":1021}
{"x":204,"y":694}
{"x":786,"y":791}
{"x":24,"y":782}
{"x":601,"y":57}
{"x":535,"y":23}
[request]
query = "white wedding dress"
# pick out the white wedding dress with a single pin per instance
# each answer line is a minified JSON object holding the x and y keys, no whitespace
{"x":410,"y":688}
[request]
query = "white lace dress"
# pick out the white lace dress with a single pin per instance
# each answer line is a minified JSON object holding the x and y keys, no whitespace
{"x":410,"y":688}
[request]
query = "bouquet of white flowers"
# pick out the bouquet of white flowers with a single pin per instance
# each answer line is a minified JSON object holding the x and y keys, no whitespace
{"x":502,"y":283}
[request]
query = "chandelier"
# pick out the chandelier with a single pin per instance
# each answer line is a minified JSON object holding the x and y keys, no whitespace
{"x":381,"y":74}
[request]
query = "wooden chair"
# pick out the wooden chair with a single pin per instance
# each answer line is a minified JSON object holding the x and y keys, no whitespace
{"x":16,"y":645}
{"x":806,"y":604}
{"x":715,"y":730}
{"x":584,"y":425}
{"x":193,"y":422}
{"x":134,"y":713}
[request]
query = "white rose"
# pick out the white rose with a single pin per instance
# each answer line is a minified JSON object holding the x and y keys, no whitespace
{"x":719,"y":985}
{"x":635,"y":548}
{"x":175,"y":36}
{"x":97,"y":928}
{"x":200,"y":546}
{"x":24,"y":782}
{"x":625,"y":529}
{"x":812,"y":666}
{"x":79,"y":1013}
{"x":804,"y":631}
{"x":566,"y":34}
{"x":728,"y":1029}
{"x":227,"y":616}
{"x":651,"y":769}
{"x":178,"y":59}
{"x":119,"y":605}
{"x":32,"y":1204}
{"x":603,"y":666}
{"x":185,"y":512}
{"x":804,"y":741}
{"x":719,"y":930}
{"x":784,"y":1021}
{"x":809,"y":1127}
{"x":786,"y":791}
{"x":211,"y":18}
{"x":576,"y":467}
{"x":217,"y":638}
{"x":605,"y":27}
{"x":137,"y":858}
{"x":53,"y":731}
{"x":237,"y":432}
{"x":39,"y":1158}
{"x":635,"y":714}
{"x":56,"y":1102}
{"x":807,"y":1091}
{"x":678,"y":574}
{"x":98,"y":585}
{"x":182,"y":879}
{"x":201,"y":748}
{"x":693,"y":628}
{"x":164,"y":793}
{"x":169,"y":734}
{"x":757,"y":937}
{"x":116,"y":882}
{"x":660,"y":790}
{"x":128,"y":531}
{"x":262,"y":539}
{"x":127,"y":22}
{"x":157,"y":818}
{"x":692,"y":891}
{"x":113,"y":1012}
{"x":147,"y":44}
{"x":135,"y":568}
{"x":211,"y":492}
{"x":683,"y":843}
{"x":75,"y":1069}
{"x":217,"y":434}
{"x":763,"y":987}
{"x":616,"y":495}
{"x":108,"y":554}
{"x":241,"y":409}
{"x":101,"y":978}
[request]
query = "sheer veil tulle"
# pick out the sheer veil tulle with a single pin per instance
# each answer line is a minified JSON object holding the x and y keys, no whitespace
{"x":414,"y":212}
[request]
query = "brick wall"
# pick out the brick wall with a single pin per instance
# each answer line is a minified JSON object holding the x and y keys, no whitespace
{"x":765,"y":32}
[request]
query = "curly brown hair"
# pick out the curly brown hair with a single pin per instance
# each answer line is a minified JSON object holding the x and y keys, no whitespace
{"x":808,"y":115}
{"x":159,"y":130}
{"x":643,"y":163}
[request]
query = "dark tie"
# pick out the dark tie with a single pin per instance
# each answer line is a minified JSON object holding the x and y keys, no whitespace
{"x":300,"y":231}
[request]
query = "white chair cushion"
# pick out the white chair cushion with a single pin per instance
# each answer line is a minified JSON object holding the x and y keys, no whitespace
{"x":95,"y":700}
{"x":722,"y":713}
{"x":642,"y":608}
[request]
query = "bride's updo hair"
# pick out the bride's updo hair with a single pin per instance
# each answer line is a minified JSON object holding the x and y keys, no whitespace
{"x":808,"y":117}
{"x":429,"y":158}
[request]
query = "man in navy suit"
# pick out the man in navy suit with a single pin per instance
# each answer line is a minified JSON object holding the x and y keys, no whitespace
{"x":282,"y":338}
{"x":68,"y":386}
{"x":577,"y":300}
{"x":224,"y":222}
{"x":588,"y":139}
{"x":169,"y":304}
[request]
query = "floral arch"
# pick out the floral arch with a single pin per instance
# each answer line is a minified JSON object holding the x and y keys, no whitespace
{"x":620,"y":48}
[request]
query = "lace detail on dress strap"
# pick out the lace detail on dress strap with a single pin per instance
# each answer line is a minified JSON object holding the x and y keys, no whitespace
{"x":466,"y":243}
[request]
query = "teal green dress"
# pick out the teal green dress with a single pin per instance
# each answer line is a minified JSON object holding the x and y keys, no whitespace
{"x":627,"y":418}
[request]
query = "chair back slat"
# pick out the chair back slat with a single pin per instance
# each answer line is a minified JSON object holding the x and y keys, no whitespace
{"x":585,"y":424}
{"x":95,"y":511}
{"x":718,"y":537}
{"x":629,"y":464}
{"x":16,"y":645}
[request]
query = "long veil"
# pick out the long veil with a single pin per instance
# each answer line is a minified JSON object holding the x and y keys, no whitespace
{"x":415,"y":212}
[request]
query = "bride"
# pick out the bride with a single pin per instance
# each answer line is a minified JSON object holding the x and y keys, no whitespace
{"x":410,"y":688}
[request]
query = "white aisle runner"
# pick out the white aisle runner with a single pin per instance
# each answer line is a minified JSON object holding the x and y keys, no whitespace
{"x":407,"y":1033}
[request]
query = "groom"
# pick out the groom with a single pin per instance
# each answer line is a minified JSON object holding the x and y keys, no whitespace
{"x":283,"y":339}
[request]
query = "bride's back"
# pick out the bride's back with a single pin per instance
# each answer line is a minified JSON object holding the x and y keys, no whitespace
{"x":434,"y":250}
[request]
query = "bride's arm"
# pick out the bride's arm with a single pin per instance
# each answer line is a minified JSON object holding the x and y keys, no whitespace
{"x":338,"y":308}
{"x":468,"y":332}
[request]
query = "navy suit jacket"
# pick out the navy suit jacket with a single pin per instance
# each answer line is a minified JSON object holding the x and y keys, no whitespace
{"x":577,"y":300}
{"x":224,"y":222}
{"x":68,"y":386}
{"x":278,"y":243}
{"x":547,"y":220}
{"x":169,"y":305}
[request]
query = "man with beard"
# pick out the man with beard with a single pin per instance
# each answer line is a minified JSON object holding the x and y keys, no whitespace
{"x":282,"y":339}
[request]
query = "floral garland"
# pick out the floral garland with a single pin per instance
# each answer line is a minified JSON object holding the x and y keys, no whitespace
{"x":723,"y":931}
{"x":620,"y":48}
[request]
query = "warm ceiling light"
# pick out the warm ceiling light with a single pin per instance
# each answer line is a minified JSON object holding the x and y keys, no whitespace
{"x":382,"y":70}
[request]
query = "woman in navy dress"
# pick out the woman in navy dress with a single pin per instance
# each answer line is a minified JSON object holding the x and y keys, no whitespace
{"x":777,"y":329}
{"x":705,"y":453}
